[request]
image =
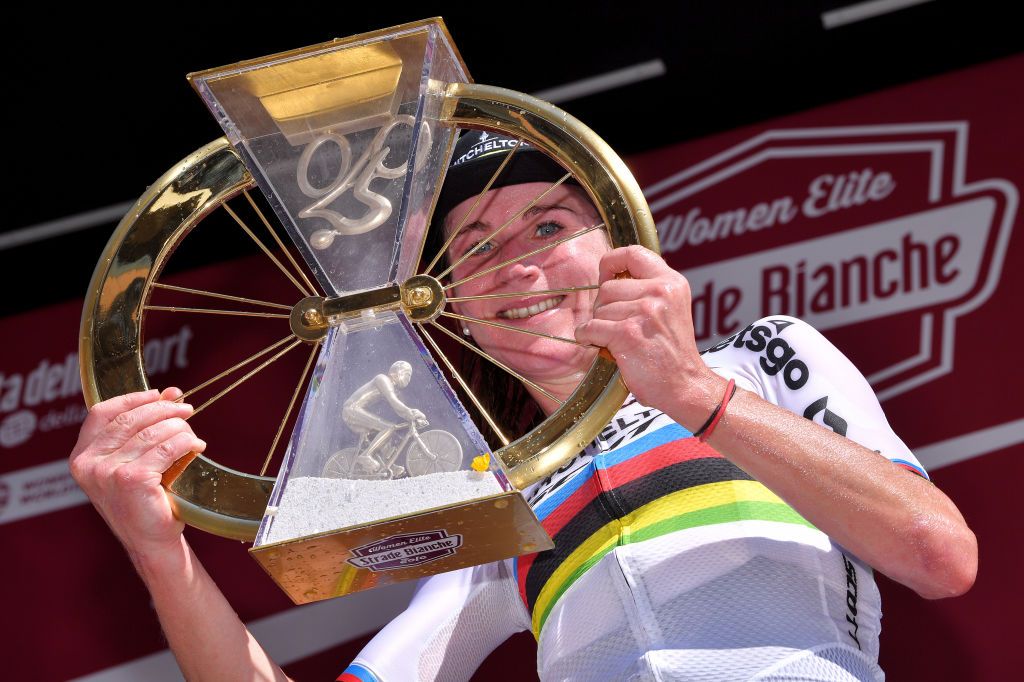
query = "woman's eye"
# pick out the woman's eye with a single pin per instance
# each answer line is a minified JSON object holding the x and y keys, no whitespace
{"x":480,"y":248}
{"x":548,"y":229}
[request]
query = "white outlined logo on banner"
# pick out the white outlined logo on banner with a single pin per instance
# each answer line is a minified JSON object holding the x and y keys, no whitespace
{"x":840,"y":226}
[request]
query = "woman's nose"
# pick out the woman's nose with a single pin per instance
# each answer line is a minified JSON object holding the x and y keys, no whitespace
{"x":521,"y":271}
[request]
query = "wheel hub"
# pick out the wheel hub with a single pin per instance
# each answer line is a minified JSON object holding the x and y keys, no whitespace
{"x":421,"y":298}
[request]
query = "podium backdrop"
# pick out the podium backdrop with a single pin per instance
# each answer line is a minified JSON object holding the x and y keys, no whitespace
{"x":891,"y":221}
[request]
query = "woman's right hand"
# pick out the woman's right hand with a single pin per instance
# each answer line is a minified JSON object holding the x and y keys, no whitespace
{"x":124,"y":446}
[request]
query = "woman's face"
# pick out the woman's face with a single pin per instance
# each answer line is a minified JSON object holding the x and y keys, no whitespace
{"x":563,"y":212}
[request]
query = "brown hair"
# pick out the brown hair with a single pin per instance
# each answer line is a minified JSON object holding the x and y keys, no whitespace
{"x":502,"y":395}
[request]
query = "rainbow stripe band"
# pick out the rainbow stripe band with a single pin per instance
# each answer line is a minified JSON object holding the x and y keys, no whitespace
{"x":616,"y":505}
{"x":357,"y":673}
{"x":739,"y":501}
{"x":910,"y":466}
{"x":658,"y":484}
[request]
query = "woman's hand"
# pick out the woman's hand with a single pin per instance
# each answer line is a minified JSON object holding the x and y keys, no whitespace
{"x":124,"y":446}
{"x":645,"y":323}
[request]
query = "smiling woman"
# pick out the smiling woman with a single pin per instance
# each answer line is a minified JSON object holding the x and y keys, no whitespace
{"x":565,"y":214}
{"x":522,"y":245}
{"x":713,"y":530}
{"x":708,"y":532}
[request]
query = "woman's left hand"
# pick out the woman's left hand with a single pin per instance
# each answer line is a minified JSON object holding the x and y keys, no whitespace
{"x":645,"y":323}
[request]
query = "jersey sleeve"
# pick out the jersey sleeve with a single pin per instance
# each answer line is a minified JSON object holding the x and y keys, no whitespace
{"x":455,"y":620}
{"x":789,"y":363}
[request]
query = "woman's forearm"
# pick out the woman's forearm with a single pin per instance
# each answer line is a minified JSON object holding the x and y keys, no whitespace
{"x":205,"y":634}
{"x":896,"y":521}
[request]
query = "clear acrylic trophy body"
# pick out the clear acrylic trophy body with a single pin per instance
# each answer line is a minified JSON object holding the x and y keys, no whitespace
{"x":385,"y":477}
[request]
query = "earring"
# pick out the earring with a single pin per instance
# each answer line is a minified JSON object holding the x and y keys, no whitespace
{"x":465,"y":330}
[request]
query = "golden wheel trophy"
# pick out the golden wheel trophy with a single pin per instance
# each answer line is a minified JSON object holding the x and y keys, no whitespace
{"x":385,"y":476}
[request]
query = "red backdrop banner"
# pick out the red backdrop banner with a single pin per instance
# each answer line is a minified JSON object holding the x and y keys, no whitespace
{"x":892,"y":222}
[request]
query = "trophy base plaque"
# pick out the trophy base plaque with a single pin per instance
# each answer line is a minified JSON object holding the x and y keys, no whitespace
{"x":393,"y":550}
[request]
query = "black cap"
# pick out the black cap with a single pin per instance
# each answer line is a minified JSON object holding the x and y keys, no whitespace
{"x":478,"y":153}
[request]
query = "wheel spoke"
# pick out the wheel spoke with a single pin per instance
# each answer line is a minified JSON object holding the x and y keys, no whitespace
{"x":265,"y":250}
{"x":500,"y":364}
{"x":245,"y":377}
{"x":231,"y":369}
{"x":273,"y":233}
{"x":511,"y":220}
{"x":522,"y":294}
{"x":226,"y":297}
{"x":510,"y":261}
{"x":465,"y":387}
{"x":291,"y":404}
{"x":510,"y":328}
{"x":479,"y":197}
{"x":209,"y":311}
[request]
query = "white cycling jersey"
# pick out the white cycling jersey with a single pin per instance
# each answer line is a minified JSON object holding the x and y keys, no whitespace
{"x":671,"y":563}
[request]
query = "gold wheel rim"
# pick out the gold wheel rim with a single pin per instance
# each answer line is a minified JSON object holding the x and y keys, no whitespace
{"x":111,"y":348}
{"x":110,"y":345}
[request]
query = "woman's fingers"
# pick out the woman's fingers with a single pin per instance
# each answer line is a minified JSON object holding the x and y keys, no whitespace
{"x":603,"y":333}
{"x":124,"y":426}
{"x":644,"y":322}
{"x":103,"y":413}
{"x":122,"y":453}
{"x":639,"y":262}
{"x":620,"y":290}
{"x":171,"y":393}
{"x":153,"y":435}
{"x":165,"y":453}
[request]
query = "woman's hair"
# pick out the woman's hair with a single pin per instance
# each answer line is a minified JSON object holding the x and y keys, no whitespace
{"x":503,"y":396}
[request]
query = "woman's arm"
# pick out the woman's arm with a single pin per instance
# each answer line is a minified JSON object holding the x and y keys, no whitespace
{"x":454,"y":622}
{"x":892,"y":519}
{"x":124,"y":446}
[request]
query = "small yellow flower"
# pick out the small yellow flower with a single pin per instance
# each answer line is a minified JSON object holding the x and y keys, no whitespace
{"x":482,"y":463}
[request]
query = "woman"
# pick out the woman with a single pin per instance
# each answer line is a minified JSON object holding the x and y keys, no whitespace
{"x":672,"y":561}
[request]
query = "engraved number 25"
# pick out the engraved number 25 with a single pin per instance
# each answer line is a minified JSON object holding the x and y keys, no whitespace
{"x":357,"y":177}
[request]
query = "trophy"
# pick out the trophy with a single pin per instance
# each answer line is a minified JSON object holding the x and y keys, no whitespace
{"x":386,"y":476}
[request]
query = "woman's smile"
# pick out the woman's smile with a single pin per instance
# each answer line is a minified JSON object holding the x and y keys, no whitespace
{"x":531,"y":309}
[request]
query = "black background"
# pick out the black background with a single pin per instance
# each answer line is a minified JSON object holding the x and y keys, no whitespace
{"x":98,"y":106}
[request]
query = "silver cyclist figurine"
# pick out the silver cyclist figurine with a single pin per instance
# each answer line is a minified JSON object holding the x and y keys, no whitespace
{"x":376,"y":454}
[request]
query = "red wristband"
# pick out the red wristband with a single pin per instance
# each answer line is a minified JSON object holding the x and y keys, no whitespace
{"x":704,"y":432}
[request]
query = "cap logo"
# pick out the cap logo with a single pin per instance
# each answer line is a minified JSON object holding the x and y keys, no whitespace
{"x":486,"y":145}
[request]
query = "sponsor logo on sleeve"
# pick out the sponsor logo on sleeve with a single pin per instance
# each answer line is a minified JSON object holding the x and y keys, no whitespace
{"x":851,"y":599}
{"x":828,"y":417}
{"x":776,"y":354}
